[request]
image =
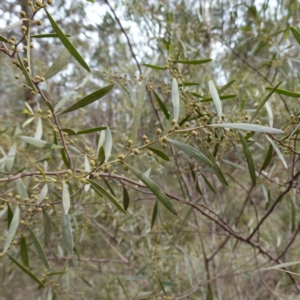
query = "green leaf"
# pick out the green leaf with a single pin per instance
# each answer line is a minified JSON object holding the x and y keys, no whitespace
{"x":249,"y":159}
{"x":155,"y":189}
{"x":296,"y":34}
{"x":215,"y":166}
{"x":26,"y":74}
{"x":101,"y":191}
{"x":39,"y":248}
{"x":43,"y":193}
{"x":175,"y":99}
{"x":27,"y":271}
{"x":267,"y":158}
{"x":225,"y":97}
{"x":215,"y":97}
{"x":39,"y":143}
{"x":278,"y":152}
{"x":41,"y":171}
{"x":65,"y":198}
{"x":9,"y":215}
{"x":2,"y":39}
{"x":188,"y":84}
{"x":260,"y":106}
{"x":69,"y":131}
{"x":89,"y":99}
{"x":101,"y":156}
{"x":12,"y":229}
{"x":59,"y":63}
{"x":125,"y":198}
{"x":64,"y":157}
{"x":154,"y":67}
{"x":293,"y":216}
{"x":208,"y":183}
{"x":192,"y":62}
{"x":61,"y":102}
{"x":285,"y":92}
{"x":160,"y":153}
{"x":10,"y":159}
{"x":22,"y":189}
{"x":225,"y":87}
{"x":162,"y":106}
{"x":66,"y":42}
{"x":154,"y":214}
{"x":24,"y":251}
{"x":47,"y":228}
{"x":91,"y":130}
{"x":66,"y":231}
{"x":249,"y":127}
{"x":119,"y":281}
{"x":190,"y":151}
{"x":47,"y":35}
{"x":138,"y":110}
{"x":284,"y":265}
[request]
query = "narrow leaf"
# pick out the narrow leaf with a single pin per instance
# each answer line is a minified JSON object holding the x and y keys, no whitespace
{"x":162,"y":106}
{"x":26,"y":74}
{"x":13,"y":25}
{"x":159,"y":153}
{"x":285,"y":92}
{"x":296,"y":34}
{"x":24,"y":251}
{"x":125,"y":198}
{"x":39,"y":143}
{"x":107,"y":143}
{"x":22,"y":189}
{"x":249,"y":159}
{"x":156,"y":190}
{"x":43,"y":193}
{"x":101,"y":156}
{"x":267,"y":158}
{"x":215,"y":97}
{"x":59,"y":63}
{"x":225,"y":97}
{"x":63,"y":101}
{"x":10,"y":159}
{"x":47,"y":228}
{"x":65,"y":198}
{"x":284,"y":265}
{"x":27,"y":271}
{"x":101,"y":191}
{"x":208,"y":183}
{"x":154,"y":214}
{"x":175,"y":99}
{"x":154,"y":67}
{"x":2,"y":39}
{"x":66,"y":231}
{"x":192,"y":62}
{"x":263,"y":102}
{"x":89,"y":99}
{"x":39,"y":248}
{"x":190,"y":151}
{"x":225,"y":87}
{"x":249,"y":127}
{"x":39,"y":130}
{"x":91,"y":130}
{"x":47,"y":35}
{"x":278,"y":152}
{"x":67,"y":43}
{"x":87,"y":168}
{"x":138,"y":110}
{"x":12,"y":229}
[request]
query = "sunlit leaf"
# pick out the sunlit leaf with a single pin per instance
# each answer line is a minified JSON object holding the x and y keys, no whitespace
{"x":101,"y":191}
{"x":13,"y":25}
{"x":10,"y":159}
{"x":107,"y":143}
{"x":175,"y":99}
{"x":270,"y":113}
{"x":28,"y":121}
{"x":67,"y":43}
{"x":65,"y":198}
{"x":249,"y":159}
{"x":278,"y":152}
{"x":89,"y":99}
{"x":66,"y":230}
{"x":215,"y":97}
{"x":12,"y":229}
{"x":59,"y":63}
{"x":63,"y":101}
{"x":39,"y":130}
{"x":43,"y":193}
{"x":155,"y":189}
{"x":192,"y":62}
{"x":249,"y":127}
{"x":190,"y":151}
{"x":27,"y":271}
{"x":39,"y":248}
{"x":39,"y":143}
{"x":159,"y":153}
